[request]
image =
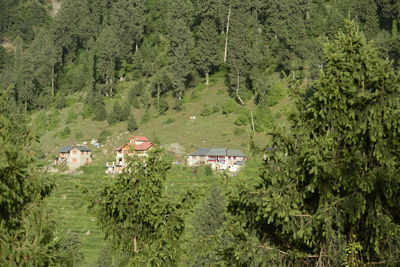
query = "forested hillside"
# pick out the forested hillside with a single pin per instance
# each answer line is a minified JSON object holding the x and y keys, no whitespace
{"x":171,"y":46}
{"x":309,"y":89}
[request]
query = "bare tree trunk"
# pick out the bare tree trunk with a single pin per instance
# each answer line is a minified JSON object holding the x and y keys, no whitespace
{"x":227,"y":33}
{"x":207,"y":78}
{"x":52,"y":81}
{"x":136,"y":47}
{"x":135,"y":245}
{"x":252,"y":121}
{"x":238,"y":87}
{"x":158,"y":97}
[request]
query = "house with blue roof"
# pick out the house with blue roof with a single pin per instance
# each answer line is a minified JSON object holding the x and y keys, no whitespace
{"x":74,"y":156}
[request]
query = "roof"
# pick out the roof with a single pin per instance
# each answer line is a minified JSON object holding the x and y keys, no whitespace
{"x":219,"y":152}
{"x":235,"y":153}
{"x":200,"y":152}
{"x":139,"y":138}
{"x":143,"y":146}
{"x":140,"y":147}
{"x":66,"y":149}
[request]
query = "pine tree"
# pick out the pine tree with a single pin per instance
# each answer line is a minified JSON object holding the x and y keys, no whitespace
{"x":142,"y":225}
{"x":132,"y":125}
{"x":115,"y":115}
{"x":27,"y":230}
{"x":329,"y":188}
{"x":207,"y":47}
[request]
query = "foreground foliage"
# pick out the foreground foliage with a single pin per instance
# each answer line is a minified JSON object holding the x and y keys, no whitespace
{"x":26,"y":225}
{"x":142,"y":225}
{"x":329,"y":191}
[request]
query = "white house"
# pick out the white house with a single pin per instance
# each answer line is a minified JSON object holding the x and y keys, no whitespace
{"x":74,"y":156}
{"x":231,"y":160}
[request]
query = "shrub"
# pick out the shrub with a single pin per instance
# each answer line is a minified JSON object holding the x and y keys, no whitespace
{"x":243,"y":118}
{"x":103,"y":136}
{"x":238,"y":131}
{"x":132,"y":125}
{"x":206,"y":111}
{"x":79,"y":135}
{"x":263,"y":119}
{"x":230,"y":106}
{"x":145,"y":118}
{"x":61,"y":102}
{"x":66,"y":132}
{"x":71,"y":117}
{"x":169,"y":121}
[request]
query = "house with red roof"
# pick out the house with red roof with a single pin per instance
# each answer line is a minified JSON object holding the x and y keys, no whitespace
{"x":136,"y":145}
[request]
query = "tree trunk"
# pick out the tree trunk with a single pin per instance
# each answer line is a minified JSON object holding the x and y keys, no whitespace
{"x":135,"y":245}
{"x":158,"y":97}
{"x":238,"y":87}
{"x":52,"y":81}
{"x":207,"y":78}
{"x":136,"y":47}
{"x":252,"y":121}
{"x":227,"y":33}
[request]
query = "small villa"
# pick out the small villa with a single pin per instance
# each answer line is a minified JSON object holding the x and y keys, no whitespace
{"x":220,"y":159}
{"x":74,"y":156}
{"x":136,"y":145}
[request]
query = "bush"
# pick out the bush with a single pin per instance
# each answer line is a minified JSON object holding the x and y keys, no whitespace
{"x":53,"y":119}
{"x":103,"y":136}
{"x":230,"y":106}
{"x":238,"y":131}
{"x":145,"y":118}
{"x":169,"y":121}
{"x":243,"y":118}
{"x":66,"y":132}
{"x":263,"y":119}
{"x":71,"y":117}
{"x":61,"y":102}
{"x":132,"y":125}
{"x":100,"y":112}
{"x":206,"y":111}
{"x":79,"y":135}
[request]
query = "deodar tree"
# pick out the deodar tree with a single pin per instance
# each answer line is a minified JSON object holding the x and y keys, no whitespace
{"x":142,"y":225}
{"x":329,"y":191}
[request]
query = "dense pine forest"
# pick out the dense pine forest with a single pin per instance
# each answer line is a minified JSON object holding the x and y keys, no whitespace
{"x":322,"y":185}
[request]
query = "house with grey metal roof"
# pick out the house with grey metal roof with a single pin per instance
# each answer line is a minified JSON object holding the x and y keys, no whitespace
{"x":74,"y":156}
{"x":231,"y":160}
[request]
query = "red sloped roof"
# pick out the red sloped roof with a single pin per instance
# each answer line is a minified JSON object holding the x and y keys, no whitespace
{"x":144,"y":146}
{"x":118,"y":148}
{"x":139,"y":138}
{"x":141,"y":147}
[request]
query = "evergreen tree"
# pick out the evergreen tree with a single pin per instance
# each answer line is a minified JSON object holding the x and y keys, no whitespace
{"x":181,"y":45}
{"x":27,"y":230}
{"x":132,"y":125}
{"x":128,"y":19}
{"x":329,"y":188}
{"x":142,"y":225}
{"x":207,"y":47}
{"x":115,"y":115}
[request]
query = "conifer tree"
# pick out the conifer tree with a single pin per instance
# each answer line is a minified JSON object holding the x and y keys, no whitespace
{"x":329,"y":189}
{"x":207,"y":47}
{"x":132,"y":125}
{"x":142,"y":225}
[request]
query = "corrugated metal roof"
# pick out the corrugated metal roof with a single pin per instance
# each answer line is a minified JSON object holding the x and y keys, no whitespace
{"x":66,"y":149}
{"x":200,"y":152}
{"x":235,"y":153}
{"x":218,"y":152}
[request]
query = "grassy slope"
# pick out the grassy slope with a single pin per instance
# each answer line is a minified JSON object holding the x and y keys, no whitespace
{"x":211,"y":131}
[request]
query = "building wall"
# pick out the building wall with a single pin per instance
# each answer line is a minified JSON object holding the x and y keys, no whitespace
{"x":78,"y":158}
